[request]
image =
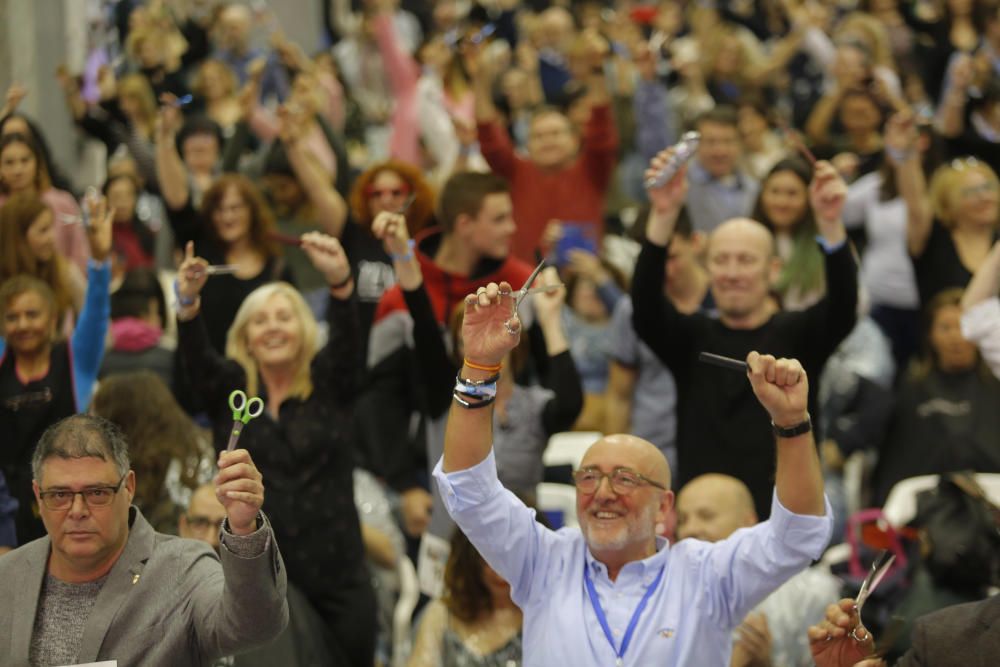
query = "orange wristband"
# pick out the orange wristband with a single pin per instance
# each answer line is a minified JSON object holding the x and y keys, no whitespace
{"x":481,"y":367}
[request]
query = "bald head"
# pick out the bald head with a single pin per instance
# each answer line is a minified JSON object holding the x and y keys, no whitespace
{"x":744,"y":231}
{"x":742,"y":266}
{"x":628,"y":451}
{"x":711,"y":507}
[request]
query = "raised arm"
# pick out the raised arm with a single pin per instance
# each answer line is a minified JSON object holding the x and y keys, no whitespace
{"x":782,"y":388}
{"x":950,"y":118}
{"x":981,"y":305}
{"x":561,"y":375}
{"x":331,"y":209}
{"x":244,"y":604}
{"x":88,"y":336}
{"x":901,"y":151}
{"x":668,"y":333}
{"x":486,"y":334}
{"x":170,"y":170}
{"x":430,"y":354}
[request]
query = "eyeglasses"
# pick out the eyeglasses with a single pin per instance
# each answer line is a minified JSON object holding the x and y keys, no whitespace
{"x":623,"y":481}
{"x":974,"y":190}
{"x":395,"y":193}
{"x":95,"y":496}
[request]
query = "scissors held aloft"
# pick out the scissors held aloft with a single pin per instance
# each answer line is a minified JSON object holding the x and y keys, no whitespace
{"x":243,"y":411}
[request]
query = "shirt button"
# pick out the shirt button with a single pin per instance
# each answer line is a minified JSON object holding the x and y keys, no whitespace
{"x":616,"y":632}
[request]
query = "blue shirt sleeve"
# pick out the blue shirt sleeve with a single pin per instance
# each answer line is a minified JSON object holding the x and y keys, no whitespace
{"x":501,"y":527}
{"x":740,"y":571}
{"x":87,"y":344}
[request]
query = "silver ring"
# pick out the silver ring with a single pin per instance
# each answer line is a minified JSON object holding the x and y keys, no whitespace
{"x":854,"y":634}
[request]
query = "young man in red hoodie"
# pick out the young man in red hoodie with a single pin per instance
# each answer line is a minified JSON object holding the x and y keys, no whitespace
{"x":470,"y":248}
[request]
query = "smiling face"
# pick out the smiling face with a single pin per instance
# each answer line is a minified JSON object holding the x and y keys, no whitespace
{"x":274,"y":333}
{"x":18,"y":167}
{"x":976,"y":201}
{"x":232,"y":217}
{"x":41,"y":237}
{"x":785,"y":200}
{"x":741,"y":265}
{"x":83,"y":537}
{"x":551,"y":140}
{"x":712,"y":507}
{"x":622,"y":528}
{"x":28,"y":323}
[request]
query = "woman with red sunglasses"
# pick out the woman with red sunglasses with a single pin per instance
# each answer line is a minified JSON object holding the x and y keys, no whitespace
{"x":391,"y":186}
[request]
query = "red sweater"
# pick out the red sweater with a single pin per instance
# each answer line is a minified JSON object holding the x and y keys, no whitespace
{"x":573,"y":194}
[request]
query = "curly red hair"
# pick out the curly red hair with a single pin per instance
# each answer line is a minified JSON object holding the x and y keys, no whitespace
{"x":421,"y":211}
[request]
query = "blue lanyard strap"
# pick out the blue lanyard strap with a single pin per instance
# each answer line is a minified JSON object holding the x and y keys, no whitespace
{"x":603,"y":620}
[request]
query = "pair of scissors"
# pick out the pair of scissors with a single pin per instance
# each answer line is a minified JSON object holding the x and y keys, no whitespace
{"x":243,"y":411}
{"x":880,"y":568}
{"x":519,"y":297}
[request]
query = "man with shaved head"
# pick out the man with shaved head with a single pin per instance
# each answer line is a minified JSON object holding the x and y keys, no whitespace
{"x":720,"y":428}
{"x":711,"y":508}
{"x":612,"y":592}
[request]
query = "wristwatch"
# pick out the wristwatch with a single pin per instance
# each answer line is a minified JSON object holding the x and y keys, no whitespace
{"x":792,"y":431}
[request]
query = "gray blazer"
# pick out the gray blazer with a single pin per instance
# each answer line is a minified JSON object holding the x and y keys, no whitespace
{"x":966,"y":635}
{"x":167,"y":601}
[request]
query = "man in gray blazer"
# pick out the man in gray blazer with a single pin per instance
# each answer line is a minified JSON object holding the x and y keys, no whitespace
{"x":103,"y":585}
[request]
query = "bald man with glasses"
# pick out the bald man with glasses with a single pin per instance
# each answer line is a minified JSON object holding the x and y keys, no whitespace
{"x":104,"y":586}
{"x":612,"y":592}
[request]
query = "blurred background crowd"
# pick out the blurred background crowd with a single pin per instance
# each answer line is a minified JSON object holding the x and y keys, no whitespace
{"x":504,"y":132}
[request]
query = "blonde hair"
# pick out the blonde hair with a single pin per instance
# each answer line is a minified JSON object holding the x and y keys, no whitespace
{"x":872,"y":31}
{"x":229,"y":81}
{"x":137,"y":86}
{"x":236,"y":339}
{"x":945,"y":187}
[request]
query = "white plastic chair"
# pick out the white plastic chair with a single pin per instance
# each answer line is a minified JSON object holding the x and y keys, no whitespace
{"x":568,"y":447}
{"x":901,"y":505}
{"x":558,"y":498}
{"x":402,"y":614}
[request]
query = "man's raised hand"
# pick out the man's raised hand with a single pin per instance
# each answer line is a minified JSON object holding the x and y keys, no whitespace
{"x":781,"y":386}
{"x":490,"y":327}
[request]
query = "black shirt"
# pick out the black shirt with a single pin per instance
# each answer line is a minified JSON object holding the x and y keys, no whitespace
{"x":939,"y":267}
{"x":721,"y":427}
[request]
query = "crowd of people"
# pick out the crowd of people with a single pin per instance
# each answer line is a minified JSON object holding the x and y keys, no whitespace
{"x":349,"y":236}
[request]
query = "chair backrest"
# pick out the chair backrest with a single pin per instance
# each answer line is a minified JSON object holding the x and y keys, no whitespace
{"x":402,"y":615}
{"x":558,"y":501}
{"x":901,"y":505}
{"x":568,"y":447}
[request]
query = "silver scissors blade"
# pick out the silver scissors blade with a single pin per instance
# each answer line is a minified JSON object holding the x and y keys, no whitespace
{"x":523,"y":292}
{"x":879,"y":569}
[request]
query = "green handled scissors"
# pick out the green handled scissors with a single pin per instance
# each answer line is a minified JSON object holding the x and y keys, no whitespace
{"x":243,"y":411}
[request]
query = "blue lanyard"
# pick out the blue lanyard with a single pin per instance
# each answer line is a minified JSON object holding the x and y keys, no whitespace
{"x":603,"y":620}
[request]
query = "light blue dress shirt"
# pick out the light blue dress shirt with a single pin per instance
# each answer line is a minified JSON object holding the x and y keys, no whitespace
{"x":705,"y":592}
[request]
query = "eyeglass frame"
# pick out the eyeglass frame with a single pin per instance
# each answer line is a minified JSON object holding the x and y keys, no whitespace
{"x":611,"y":484}
{"x":44,"y":496}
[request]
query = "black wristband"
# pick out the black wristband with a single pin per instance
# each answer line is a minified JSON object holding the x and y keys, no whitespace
{"x":792,"y":431}
{"x":471,"y":405}
{"x":344,"y":282}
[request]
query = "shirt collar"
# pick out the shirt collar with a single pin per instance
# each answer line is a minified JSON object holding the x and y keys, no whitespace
{"x":646,"y":569}
{"x":698,"y":174}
